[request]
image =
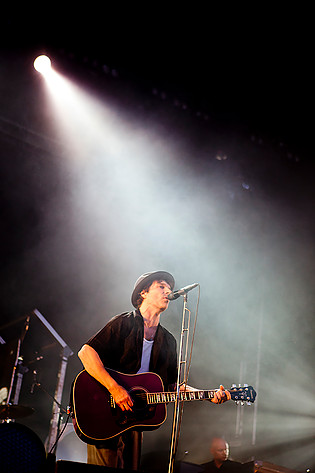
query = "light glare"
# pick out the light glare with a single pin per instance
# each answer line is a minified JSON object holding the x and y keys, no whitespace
{"x":42,"y":64}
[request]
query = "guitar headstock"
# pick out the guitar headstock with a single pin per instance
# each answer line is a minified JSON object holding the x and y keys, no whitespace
{"x":243,"y":394}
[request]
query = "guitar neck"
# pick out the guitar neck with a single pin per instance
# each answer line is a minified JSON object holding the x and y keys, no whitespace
{"x":158,"y":398}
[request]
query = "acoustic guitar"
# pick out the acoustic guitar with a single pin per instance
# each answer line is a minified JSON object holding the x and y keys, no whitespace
{"x":97,"y":418}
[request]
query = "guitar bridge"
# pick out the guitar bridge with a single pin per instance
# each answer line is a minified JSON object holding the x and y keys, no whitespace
{"x":112,"y":402}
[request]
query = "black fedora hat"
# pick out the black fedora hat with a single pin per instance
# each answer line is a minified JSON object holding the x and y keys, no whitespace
{"x":147,"y":278}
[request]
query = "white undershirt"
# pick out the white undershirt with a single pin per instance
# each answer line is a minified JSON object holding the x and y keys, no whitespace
{"x":146,"y":355}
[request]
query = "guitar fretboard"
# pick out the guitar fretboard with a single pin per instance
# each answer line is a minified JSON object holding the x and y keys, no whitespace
{"x":158,"y":398}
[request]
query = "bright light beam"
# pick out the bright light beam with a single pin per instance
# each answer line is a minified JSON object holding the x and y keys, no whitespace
{"x":42,"y":64}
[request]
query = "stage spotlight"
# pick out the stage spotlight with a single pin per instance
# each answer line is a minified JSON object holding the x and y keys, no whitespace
{"x":42,"y":64}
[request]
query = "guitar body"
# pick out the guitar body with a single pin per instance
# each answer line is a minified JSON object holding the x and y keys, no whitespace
{"x":95,"y":416}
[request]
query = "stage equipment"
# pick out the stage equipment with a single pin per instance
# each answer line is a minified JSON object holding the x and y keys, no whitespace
{"x":266,"y":467}
{"x":21,"y":450}
{"x":65,"y":354}
{"x":181,"y":292}
{"x":11,"y":410}
{"x":248,"y":393}
{"x":76,"y":467}
{"x":187,"y":467}
{"x":16,"y":375}
{"x":42,"y":64}
{"x":182,"y":375}
{"x":14,"y":411}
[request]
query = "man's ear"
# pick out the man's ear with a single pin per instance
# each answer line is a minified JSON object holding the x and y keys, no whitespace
{"x":143,"y":294}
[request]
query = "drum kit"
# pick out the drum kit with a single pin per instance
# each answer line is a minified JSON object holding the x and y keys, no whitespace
{"x":14,"y":411}
{"x":11,"y":411}
{"x":14,"y":434}
{"x":21,"y":449}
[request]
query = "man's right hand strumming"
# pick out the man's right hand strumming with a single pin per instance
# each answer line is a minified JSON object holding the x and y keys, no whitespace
{"x":121,"y":397}
{"x":94,"y":366}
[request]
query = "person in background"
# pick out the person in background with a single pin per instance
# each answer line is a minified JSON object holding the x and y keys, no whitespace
{"x":219,"y":450}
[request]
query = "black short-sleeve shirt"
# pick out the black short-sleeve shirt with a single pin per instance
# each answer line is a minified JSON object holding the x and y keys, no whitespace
{"x":119,"y":346}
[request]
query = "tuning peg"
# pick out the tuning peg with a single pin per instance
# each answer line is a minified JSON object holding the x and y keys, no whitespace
{"x":242,"y":403}
{"x":245,"y":385}
{"x":233,"y":385}
{"x":248,"y":403}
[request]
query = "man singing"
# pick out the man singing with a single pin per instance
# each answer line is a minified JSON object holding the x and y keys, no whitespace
{"x":134,"y":342}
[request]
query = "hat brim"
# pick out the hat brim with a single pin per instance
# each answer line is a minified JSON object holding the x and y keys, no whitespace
{"x":144,"y":280}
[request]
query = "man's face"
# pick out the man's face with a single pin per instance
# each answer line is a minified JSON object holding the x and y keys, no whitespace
{"x":220,"y":450}
{"x":156,"y":296}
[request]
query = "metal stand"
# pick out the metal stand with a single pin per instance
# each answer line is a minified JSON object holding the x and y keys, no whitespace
{"x":16,"y":370}
{"x":259,"y":344}
{"x":181,"y":380}
{"x":66,"y":353}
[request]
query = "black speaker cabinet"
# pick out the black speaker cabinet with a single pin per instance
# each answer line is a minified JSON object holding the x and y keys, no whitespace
{"x":63,"y":466}
{"x":21,"y":450}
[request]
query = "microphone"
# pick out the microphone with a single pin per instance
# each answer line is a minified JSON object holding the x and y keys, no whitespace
{"x":181,"y":292}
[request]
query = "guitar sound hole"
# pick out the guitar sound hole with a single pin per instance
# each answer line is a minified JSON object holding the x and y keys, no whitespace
{"x":139,"y":399}
{"x":141,"y":410}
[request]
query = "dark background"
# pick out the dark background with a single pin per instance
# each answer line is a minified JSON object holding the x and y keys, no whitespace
{"x":187,"y":146}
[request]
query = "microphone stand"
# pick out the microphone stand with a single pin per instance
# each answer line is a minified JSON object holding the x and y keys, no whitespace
{"x":181,"y":380}
{"x":16,"y":364}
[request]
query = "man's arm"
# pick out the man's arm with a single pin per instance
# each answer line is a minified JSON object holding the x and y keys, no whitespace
{"x":94,"y":366}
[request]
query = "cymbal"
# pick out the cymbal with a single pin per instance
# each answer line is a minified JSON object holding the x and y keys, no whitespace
{"x":14,"y":411}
